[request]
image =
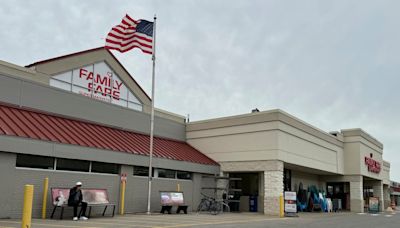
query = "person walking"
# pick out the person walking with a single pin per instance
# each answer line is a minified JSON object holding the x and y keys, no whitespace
{"x":75,"y":199}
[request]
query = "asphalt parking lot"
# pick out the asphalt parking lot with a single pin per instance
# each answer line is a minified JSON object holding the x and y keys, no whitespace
{"x":240,"y":220}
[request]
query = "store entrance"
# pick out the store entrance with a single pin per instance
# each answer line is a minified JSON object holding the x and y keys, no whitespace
{"x":244,"y":192}
{"x":339,"y":194}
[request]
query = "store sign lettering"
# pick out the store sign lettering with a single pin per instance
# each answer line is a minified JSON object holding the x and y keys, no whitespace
{"x":101,"y":84}
{"x":373,"y":166}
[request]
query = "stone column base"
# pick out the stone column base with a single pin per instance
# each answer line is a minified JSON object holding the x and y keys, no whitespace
{"x":271,"y":206}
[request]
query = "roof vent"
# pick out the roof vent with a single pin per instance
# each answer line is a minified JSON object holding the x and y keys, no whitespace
{"x":255,"y":110}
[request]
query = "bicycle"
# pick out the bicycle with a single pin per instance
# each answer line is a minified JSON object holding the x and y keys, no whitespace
{"x":212,"y":205}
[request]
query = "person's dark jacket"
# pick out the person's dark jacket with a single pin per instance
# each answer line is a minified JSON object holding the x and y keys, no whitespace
{"x":75,"y":196}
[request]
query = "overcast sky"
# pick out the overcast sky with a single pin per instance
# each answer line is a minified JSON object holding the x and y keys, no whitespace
{"x":334,"y":64}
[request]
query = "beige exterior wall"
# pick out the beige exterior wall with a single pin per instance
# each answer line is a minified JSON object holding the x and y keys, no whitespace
{"x":238,"y":143}
{"x":258,"y":141}
{"x":357,"y":146}
{"x":301,"y":148}
{"x":272,"y":135}
{"x":276,"y":135}
{"x":386,"y":173}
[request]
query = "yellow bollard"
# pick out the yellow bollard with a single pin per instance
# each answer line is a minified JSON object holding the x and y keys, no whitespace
{"x":178,"y":187}
{"x":122,"y":198}
{"x":44,"y":202}
{"x":281,"y":206}
{"x":27,"y":210}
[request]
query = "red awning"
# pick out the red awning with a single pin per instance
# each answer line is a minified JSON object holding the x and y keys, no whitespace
{"x":41,"y":126}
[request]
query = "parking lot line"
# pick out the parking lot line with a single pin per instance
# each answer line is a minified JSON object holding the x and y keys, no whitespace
{"x":49,"y":224}
{"x":219,"y":223}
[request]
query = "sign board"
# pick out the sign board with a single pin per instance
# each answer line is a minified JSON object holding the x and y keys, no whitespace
{"x":97,"y":81}
{"x":290,"y":202}
{"x":373,"y":204}
{"x":373,"y":165}
{"x":171,"y":198}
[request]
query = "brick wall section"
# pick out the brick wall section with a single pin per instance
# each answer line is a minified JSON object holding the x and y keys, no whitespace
{"x":356,"y":194}
{"x":250,"y":166}
{"x":378,"y":192}
{"x":386,"y":196}
{"x":273,"y":188}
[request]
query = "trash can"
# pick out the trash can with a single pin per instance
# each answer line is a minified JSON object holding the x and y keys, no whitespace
{"x":253,"y":203}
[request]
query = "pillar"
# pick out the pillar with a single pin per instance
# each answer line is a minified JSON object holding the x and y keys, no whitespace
{"x":273,"y":188}
{"x":378,"y":192}
{"x":356,"y":194}
{"x":386,"y":196}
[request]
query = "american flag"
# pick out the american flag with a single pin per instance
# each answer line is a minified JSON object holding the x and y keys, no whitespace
{"x":131,"y":34}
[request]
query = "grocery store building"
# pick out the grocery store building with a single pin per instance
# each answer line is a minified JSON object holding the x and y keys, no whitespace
{"x":51,"y":127}
{"x":278,"y":152}
{"x":83,"y":117}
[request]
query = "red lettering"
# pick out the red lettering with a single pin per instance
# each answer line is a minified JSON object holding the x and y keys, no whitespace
{"x":107,"y":91}
{"x":117,"y":85}
{"x":82,"y":72}
{"x":89,"y":76}
{"x":373,"y":166}
{"x":115,"y":94}
{"x":101,"y":80}
{"x":98,"y":89}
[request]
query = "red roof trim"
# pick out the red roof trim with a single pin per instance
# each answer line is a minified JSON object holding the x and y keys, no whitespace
{"x":29,"y":123}
{"x":87,"y":51}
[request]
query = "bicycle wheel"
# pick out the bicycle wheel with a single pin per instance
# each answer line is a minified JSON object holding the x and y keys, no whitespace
{"x":215,"y":208}
{"x":203,"y":206}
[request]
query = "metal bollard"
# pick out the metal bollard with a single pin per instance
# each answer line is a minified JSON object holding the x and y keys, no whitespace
{"x":44,"y":202}
{"x":27,"y":210}
{"x":122,"y":198}
{"x":281,"y":206}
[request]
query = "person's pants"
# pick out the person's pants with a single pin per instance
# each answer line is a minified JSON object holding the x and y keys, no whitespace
{"x":83,"y":212}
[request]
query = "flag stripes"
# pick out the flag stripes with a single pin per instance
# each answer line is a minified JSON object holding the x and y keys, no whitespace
{"x":131,"y":34}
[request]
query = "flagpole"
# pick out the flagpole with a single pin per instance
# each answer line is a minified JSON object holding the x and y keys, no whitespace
{"x":152,"y":116}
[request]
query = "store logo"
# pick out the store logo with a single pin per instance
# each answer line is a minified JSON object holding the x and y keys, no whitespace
{"x":373,"y":166}
{"x":101,"y":84}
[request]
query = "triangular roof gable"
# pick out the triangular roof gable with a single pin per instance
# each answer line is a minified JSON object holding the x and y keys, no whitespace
{"x":58,"y":65}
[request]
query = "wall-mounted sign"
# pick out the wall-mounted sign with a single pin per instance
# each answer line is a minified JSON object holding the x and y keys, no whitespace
{"x":102,"y":85}
{"x":97,"y":81}
{"x":373,"y":165}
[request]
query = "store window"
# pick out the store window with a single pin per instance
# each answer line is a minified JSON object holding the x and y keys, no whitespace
{"x":72,"y":165}
{"x":34,"y":161}
{"x":184,"y":175}
{"x":166,"y":173}
{"x":141,"y":171}
{"x":101,"y":167}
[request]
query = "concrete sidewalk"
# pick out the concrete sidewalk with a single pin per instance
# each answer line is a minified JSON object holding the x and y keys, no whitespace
{"x":239,"y":220}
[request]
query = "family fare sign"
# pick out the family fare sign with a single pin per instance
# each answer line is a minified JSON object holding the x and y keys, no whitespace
{"x":373,"y":166}
{"x":103,"y":85}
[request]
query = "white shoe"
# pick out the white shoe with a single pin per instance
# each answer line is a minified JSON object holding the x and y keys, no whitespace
{"x":83,"y":218}
{"x":75,"y":219}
